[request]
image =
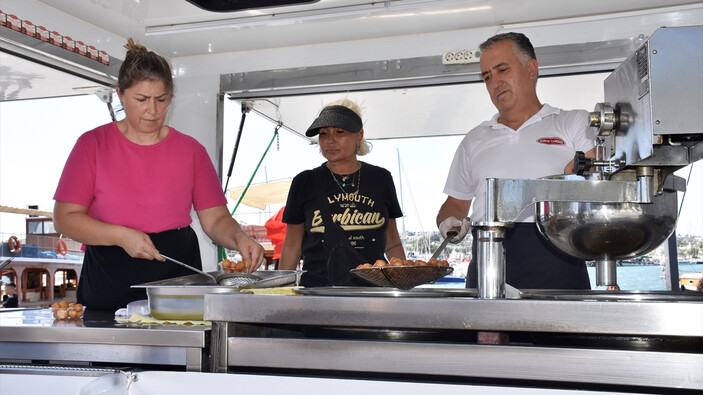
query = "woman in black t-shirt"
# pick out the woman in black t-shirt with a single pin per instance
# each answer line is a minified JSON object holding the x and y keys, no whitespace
{"x":342,"y":213}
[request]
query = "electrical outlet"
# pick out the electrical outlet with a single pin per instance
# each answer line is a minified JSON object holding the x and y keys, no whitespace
{"x":462,"y":56}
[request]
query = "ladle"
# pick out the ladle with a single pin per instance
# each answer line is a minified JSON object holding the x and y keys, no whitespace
{"x":191,"y":268}
{"x":227,"y":279}
{"x":450,"y":235}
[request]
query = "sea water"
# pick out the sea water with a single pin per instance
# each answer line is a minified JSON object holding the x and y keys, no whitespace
{"x":645,"y":277}
{"x":630,"y":278}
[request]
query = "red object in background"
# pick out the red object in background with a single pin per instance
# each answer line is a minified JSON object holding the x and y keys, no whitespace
{"x":56,"y":39}
{"x":103,"y":57}
{"x":81,"y":48}
{"x":29,"y":29}
{"x":14,"y":23}
{"x":43,"y":33}
{"x":276,"y":232}
{"x":69,"y":44}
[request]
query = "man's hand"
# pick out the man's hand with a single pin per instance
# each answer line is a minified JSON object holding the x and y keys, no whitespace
{"x":453,"y":223}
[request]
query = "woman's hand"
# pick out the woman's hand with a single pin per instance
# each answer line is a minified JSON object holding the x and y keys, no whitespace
{"x":138,"y":245}
{"x":219,"y":225}
{"x":73,"y":221}
{"x":250,"y":250}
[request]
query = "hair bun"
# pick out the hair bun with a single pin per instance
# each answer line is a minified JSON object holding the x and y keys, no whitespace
{"x":133,"y":47}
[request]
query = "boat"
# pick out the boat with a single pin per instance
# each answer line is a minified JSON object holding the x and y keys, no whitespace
{"x":45,"y":267}
{"x":691,"y":281}
{"x":452,"y":279}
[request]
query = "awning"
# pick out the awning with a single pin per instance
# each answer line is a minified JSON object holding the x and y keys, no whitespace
{"x":8,"y":209}
{"x":261,"y":195}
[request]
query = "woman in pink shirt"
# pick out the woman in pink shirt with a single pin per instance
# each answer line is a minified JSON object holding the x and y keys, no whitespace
{"x":128,"y":188}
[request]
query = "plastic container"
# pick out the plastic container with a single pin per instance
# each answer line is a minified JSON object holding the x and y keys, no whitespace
{"x":69,"y":44}
{"x":56,"y":39}
{"x":14,"y":23}
{"x":29,"y":29}
{"x":81,"y":48}
{"x":43,"y":33}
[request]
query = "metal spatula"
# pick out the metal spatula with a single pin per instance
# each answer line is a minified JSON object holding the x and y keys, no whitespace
{"x":214,"y":280}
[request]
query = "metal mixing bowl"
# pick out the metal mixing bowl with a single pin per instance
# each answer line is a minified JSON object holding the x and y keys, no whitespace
{"x":608,"y":231}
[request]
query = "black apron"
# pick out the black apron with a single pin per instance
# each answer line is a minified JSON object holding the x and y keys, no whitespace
{"x":341,"y":256}
{"x":109,"y":272}
{"x":533,"y":263}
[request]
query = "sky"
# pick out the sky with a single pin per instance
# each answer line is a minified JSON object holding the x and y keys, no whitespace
{"x":36,"y":137}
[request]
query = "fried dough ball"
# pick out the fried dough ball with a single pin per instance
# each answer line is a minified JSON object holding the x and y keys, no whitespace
{"x":364,"y":266}
{"x":62,"y":313}
{"x":420,"y":262}
{"x":242,"y":267}
{"x":63,"y":310}
{"x":238,"y":266}
{"x":381,"y":263}
{"x":395,"y":259}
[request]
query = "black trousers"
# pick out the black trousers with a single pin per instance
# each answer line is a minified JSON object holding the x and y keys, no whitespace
{"x":533,"y":263}
{"x":109,"y":272}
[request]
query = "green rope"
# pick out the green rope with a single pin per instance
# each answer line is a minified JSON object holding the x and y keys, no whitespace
{"x":221,"y":251}
{"x":275,"y":133}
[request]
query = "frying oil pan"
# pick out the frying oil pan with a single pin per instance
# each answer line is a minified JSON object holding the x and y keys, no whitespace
{"x":226,"y":279}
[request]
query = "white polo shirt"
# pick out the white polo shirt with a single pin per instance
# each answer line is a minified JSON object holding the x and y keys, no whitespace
{"x":541,"y":147}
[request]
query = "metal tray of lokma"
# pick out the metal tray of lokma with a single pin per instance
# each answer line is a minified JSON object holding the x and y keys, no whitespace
{"x":183,"y":298}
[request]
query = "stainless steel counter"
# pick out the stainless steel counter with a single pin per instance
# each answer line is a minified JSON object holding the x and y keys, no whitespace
{"x":33,"y":335}
{"x":588,"y":358}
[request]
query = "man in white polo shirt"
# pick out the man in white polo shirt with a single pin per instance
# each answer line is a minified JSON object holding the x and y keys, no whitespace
{"x":526,"y":139}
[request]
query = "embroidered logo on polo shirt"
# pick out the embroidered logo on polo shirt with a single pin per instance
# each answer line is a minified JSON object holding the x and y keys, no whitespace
{"x":551,"y":141}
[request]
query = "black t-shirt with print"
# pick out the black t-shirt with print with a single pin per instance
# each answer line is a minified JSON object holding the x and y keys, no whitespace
{"x":363,"y":215}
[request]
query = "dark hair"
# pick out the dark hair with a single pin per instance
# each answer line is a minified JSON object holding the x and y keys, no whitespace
{"x":141,"y":64}
{"x":523,"y":46}
{"x":11,"y":285}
